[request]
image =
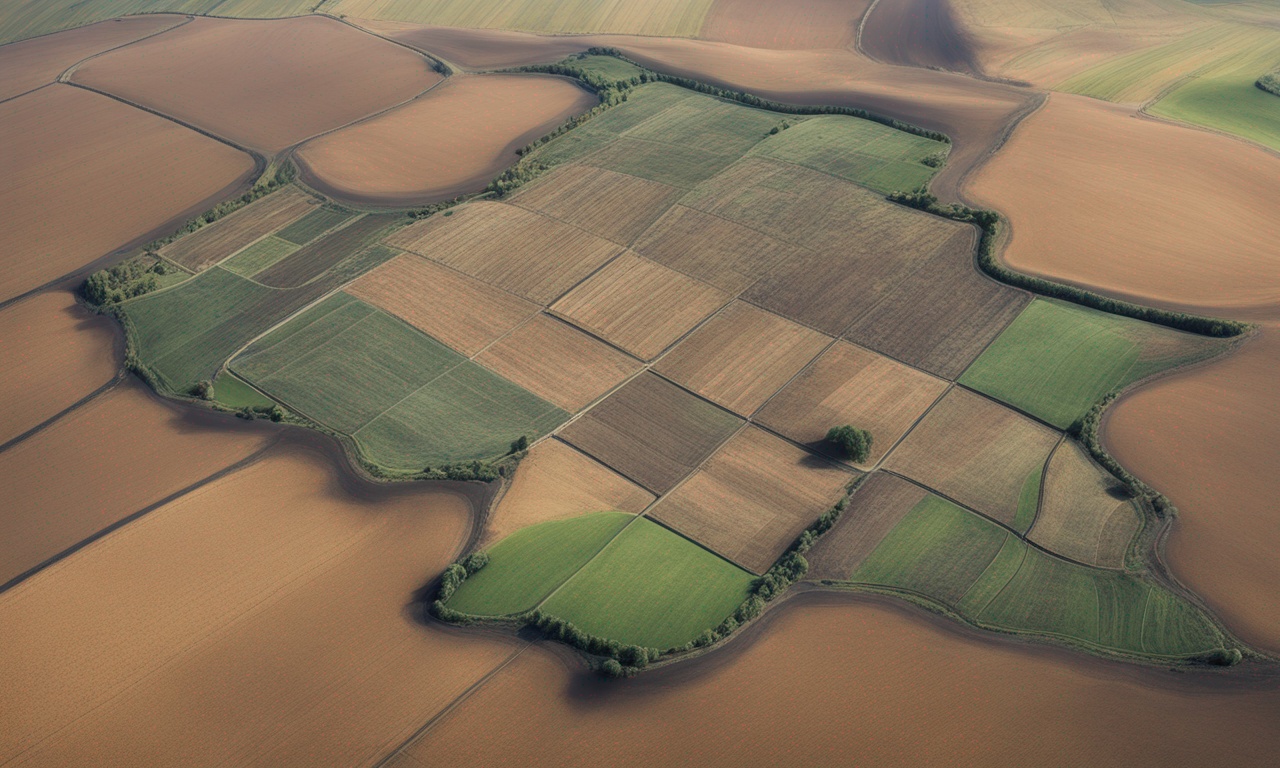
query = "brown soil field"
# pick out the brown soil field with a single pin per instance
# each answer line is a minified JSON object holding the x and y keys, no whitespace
{"x":264,"y":84}
{"x":215,"y":242}
{"x":86,"y":175}
{"x":974,"y":451}
{"x":32,"y":63}
{"x":877,"y":506}
{"x":851,"y":385}
{"x":460,"y":311}
{"x":1125,"y":219}
{"x":792,"y":25}
{"x":941,"y":316}
{"x":55,"y":353}
{"x":1207,"y":438}
{"x":742,"y":356}
{"x":260,"y":620}
{"x":651,"y":431}
{"x":606,"y":203}
{"x":1084,"y":513}
{"x":525,"y":253}
{"x":558,"y":363}
{"x":725,"y":254}
{"x":752,"y":498}
{"x":824,"y":662}
{"x":918,"y":33}
{"x":314,"y":259}
{"x":640,"y":305}
{"x":451,"y":141}
{"x":479,"y":48}
{"x":556,"y":481}
{"x":100,"y":464}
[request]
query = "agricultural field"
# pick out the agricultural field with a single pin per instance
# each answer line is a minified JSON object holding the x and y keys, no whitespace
{"x":800,"y":24}
{"x":257,"y":257}
{"x":874,"y":510}
{"x":636,"y":17}
{"x":214,"y":242}
{"x":1057,"y":359}
{"x":1085,"y":514}
{"x":314,"y":224}
{"x":752,"y":498}
{"x":313,"y":260}
{"x":611,"y":205}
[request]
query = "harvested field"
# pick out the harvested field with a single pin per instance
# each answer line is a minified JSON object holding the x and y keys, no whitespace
{"x":213,"y":243}
{"x":942,"y":315}
{"x":636,"y":17}
{"x":637,"y":590}
{"x":752,"y":498}
{"x":529,"y":255}
{"x":726,"y":254}
{"x":974,"y":451}
{"x":32,"y":63}
{"x":742,"y":356}
{"x":264,"y":84}
{"x":611,"y":205}
{"x":1115,"y":172}
{"x":527,"y":566}
{"x":557,"y":362}
{"x":259,"y":256}
{"x":460,"y":311}
{"x":274,"y":597}
{"x":555,"y":482}
{"x":75,"y":154}
{"x":792,"y":25}
{"x":873,"y":511}
{"x":918,"y":33}
{"x":449,"y":142}
{"x":55,"y":353}
{"x":79,"y":475}
{"x":651,"y":431}
{"x":850,"y":385}
{"x":640,"y":305}
{"x":1085,"y":514}
{"x":311,"y":261}
{"x":314,"y":224}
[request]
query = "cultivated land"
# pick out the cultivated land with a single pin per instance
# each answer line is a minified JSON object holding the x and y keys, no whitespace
{"x":851,"y":385}
{"x":555,"y":482}
{"x":1057,"y":359}
{"x":611,"y":205}
{"x":651,"y":431}
{"x":918,"y":33}
{"x":799,"y":24}
{"x":110,"y":164}
{"x":264,"y":84}
{"x":315,"y":258}
{"x":974,"y":451}
{"x":1085,"y":514}
{"x":210,"y":244}
{"x":460,"y":311}
{"x":874,"y":510}
{"x":752,"y":498}
{"x":640,"y":17}
{"x":450,"y":141}
{"x":742,"y":356}
{"x":257,"y":257}
{"x":314,"y":224}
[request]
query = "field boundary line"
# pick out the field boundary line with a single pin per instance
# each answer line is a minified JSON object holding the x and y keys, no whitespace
{"x":1044,"y":481}
{"x":984,"y":573}
{"x":1011,"y":407}
{"x":440,"y":264}
{"x":27,"y":93}
{"x":880,"y":464}
{"x":589,"y":561}
{"x":65,"y":75}
{"x":119,"y":376}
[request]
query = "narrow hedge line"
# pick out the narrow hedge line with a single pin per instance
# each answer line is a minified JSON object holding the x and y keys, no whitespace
{"x":1270,"y":83}
{"x":1088,"y":435}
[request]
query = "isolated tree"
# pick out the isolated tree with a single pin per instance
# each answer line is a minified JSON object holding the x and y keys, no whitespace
{"x":853,"y":443}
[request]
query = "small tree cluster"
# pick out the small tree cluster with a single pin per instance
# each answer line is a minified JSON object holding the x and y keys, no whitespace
{"x":1270,"y":83}
{"x":125,"y":280}
{"x":463,"y":471}
{"x":1087,"y":431}
{"x":851,"y":442}
{"x":628,"y":659}
{"x":203,"y":390}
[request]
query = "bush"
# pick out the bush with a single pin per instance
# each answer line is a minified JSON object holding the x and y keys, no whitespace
{"x":853,"y":443}
{"x":1221,"y":657}
{"x":450,"y":580}
{"x":126,"y":280}
{"x":204,"y":391}
{"x":1270,"y":83}
{"x":520,"y":444}
{"x":474,"y":562}
{"x":611,"y":668}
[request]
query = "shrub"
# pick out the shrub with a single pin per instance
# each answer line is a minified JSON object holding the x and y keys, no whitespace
{"x":1221,"y":657}
{"x":474,"y":562}
{"x":521,"y":443}
{"x":126,"y":280}
{"x":450,"y":580}
{"x":1270,"y":83}
{"x":611,"y":668}
{"x":853,"y":443}
{"x":204,"y":391}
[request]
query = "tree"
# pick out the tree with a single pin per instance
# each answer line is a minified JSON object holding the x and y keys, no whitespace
{"x":853,"y":443}
{"x":203,"y":390}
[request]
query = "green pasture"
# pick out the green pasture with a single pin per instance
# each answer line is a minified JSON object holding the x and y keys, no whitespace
{"x":314,"y":224}
{"x":234,"y":393}
{"x":610,"y":67}
{"x":1224,"y":97}
{"x":1028,"y":501}
{"x":259,"y":256}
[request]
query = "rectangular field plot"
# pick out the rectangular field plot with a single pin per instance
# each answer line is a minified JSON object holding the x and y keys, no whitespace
{"x":725,"y":254}
{"x":611,"y":205}
{"x":314,"y":224}
{"x":651,"y":431}
{"x":315,"y":259}
{"x":558,"y":362}
{"x":212,"y":243}
{"x":1057,"y":359}
{"x":637,"y":590}
{"x":259,"y":256}
{"x":1085,"y":514}
{"x":742,"y":356}
{"x":873,"y":511}
{"x":942,"y":315}
{"x":752,"y":498}
{"x":672,"y":164}
{"x":710,"y":124}
{"x":460,"y":311}
{"x":644,"y":103}
{"x":519,"y":251}
{"x":640,"y":305}
{"x":850,"y":385}
{"x":974,"y":451}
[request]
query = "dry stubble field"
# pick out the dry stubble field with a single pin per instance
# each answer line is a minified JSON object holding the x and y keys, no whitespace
{"x":228,"y":235}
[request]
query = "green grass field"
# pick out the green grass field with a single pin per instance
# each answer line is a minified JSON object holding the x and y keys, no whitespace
{"x":1057,"y":359}
{"x":651,"y":587}
{"x":529,"y":564}
{"x":314,"y":224}
{"x":608,"y":66}
{"x":1028,"y":501}
{"x":234,"y":393}
{"x":259,"y":256}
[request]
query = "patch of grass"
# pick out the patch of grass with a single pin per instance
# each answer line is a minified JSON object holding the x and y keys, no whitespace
{"x":529,"y":564}
{"x":651,"y":587}
{"x":610,"y":67}
{"x":1028,"y":501}
{"x":234,"y":393}
{"x":259,"y":256}
{"x":1057,"y":359}
{"x":314,"y":224}
{"x":998,"y":573}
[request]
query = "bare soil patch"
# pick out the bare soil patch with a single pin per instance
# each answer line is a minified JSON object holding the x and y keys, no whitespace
{"x":752,"y":498}
{"x":87,"y":175}
{"x":479,"y":48}
{"x":211,"y":244}
{"x":1084,"y":512}
{"x":792,"y":25}
{"x":451,"y":141}
{"x":558,"y":363}
{"x":264,"y":84}
{"x":460,"y":311}
{"x":874,"y":510}
{"x":613,"y":205}
{"x":851,"y":385}
{"x":918,"y":33}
